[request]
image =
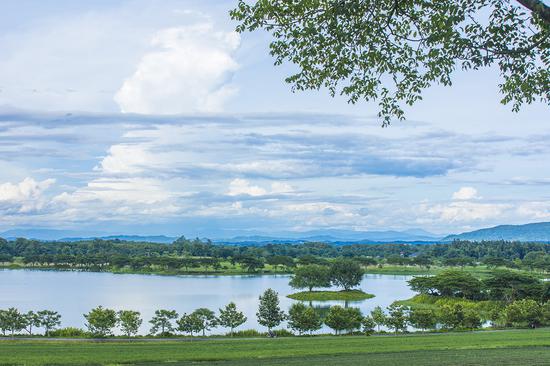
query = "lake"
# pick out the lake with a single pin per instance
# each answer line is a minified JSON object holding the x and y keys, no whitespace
{"x":74,"y":293}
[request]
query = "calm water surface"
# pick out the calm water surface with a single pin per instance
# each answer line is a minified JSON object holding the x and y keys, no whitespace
{"x":74,"y":293}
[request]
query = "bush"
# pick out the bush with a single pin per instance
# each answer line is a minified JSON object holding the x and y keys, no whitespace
{"x":69,"y":332}
{"x":252,"y":333}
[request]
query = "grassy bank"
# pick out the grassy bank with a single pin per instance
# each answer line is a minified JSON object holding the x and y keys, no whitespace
{"x":350,"y":295}
{"x":483,"y":348}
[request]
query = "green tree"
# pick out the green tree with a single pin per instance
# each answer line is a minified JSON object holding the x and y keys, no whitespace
{"x":162,"y":322}
{"x":302,"y":318}
{"x":32,"y":320}
{"x":4,"y":324}
{"x":390,"y":51}
{"x":129,"y":321}
{"x":397,"y":318}
{"x":422,"y":318}
{"x":346,"y":273}
{"x":472,"y":317}
{"x":207,"y":319}
{"x":269,"y":313}
{"x":230,"y":317}
{"x":339,"y":319}
{"x":452,"y":315}
{"x":378,"y":316}
{"x":310,"y":276}
{"x":13,"y":321}
{"x":525,"y":312}
{"x":49,"y":320}
{"x":101,"y":321}
{"x":189,"y":323}
{"x":368,"y":325}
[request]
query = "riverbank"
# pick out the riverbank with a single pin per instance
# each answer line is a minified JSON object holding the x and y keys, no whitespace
{"x":509,"y":347}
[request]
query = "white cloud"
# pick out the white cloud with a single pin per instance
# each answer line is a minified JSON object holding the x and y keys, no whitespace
{"x":465,"y":211}
{"x":537,"y":210}
{"x":189,"y":71}
{"x":25,"y":196}
{"x":242,"y":186}
{"x":465,"y":194}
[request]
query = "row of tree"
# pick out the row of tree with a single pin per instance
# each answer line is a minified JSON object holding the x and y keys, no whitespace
{"x":303,"y":319}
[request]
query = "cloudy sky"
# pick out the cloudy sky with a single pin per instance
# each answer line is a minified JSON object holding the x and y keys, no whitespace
{"x":154,"y":117}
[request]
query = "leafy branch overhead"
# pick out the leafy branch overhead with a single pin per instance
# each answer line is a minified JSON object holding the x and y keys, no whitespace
{"x":389,"y":51}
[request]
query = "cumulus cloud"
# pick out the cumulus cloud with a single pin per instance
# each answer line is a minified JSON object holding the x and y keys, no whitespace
{"x":25,"y":196}
{"x":189,"y":71}
{"x":243,"y":187}
{"x":465,"y":194}
{"x":466,"y":211}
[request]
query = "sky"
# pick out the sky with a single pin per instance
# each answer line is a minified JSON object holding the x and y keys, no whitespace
{"x":155,"y":117}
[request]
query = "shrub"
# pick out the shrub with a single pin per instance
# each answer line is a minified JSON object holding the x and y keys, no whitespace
{"x":69,"y":332}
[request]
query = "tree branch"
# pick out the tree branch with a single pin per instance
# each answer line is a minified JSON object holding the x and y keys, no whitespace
{"x":537,"y":7}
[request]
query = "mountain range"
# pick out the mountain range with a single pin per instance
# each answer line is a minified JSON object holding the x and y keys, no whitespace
{"x":539,"y":232}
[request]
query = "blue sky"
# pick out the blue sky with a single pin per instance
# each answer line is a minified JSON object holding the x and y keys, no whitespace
{"x":154,"y":117}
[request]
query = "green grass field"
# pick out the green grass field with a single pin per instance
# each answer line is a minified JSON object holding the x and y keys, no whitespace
{"x":513,"y":347}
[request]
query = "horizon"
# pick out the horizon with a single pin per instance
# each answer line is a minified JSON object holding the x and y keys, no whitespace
{"x":167,"y":122}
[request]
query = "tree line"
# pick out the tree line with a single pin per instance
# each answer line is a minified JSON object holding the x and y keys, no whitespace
{"x":301,"y":319}
{"x":188,"y":255}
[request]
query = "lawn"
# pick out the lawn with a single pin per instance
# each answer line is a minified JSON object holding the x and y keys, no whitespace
{"x":349,"y":295}
{"x":527,"y":347}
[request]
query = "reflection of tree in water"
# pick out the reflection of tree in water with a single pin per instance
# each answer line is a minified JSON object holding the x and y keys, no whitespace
{"x":323,"y":310}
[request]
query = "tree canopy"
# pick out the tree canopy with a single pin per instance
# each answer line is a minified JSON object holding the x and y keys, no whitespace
{"x":389,"y":51}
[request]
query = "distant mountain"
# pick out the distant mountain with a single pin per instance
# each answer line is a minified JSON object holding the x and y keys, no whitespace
{"x":340,"y":236}
{"x":160,"y":239}
{"x":72,"y":235}
{"x":537,"y":232}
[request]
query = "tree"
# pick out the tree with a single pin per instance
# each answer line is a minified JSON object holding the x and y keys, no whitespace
{"x":422,"y":318}
{"x":189,"y":323}
{"x":525,"y":311}
{"x":512,"y":285}
{"x":368,"y":325}
{"x":339,"y":319}
{"x":129,"y":321}
{"x":303,"y":318}
{"x":310,"y":276}
{"x":49,"y":320}
{"x":378,"y":317}
{"x":230,"y":317}
{"x":452,"y":315}
{"x":269,"y":313}
{"x":206,"y":318}
{"x":101,"y":321}
{"x":346,"y":273}
{"x":13,"y":321}
{"x":4,"y":325}
{"x":390,"y":51}
{"x":162,"y":322}
{"x":472,"y":318}
{"x":32,"y":319}
{"x":396,"y":318}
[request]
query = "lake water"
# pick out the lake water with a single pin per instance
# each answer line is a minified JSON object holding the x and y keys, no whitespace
{"x":74,"y":293}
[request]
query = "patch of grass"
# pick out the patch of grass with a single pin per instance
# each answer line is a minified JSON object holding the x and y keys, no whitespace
{"x":349,"y":295}
{"x":511,"y":347}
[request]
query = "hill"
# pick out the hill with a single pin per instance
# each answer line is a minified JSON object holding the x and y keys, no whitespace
{"x":536,"y":232}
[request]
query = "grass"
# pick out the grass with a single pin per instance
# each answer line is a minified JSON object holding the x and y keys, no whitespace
{"x":511,"y":347}
{"x":349,"y":295}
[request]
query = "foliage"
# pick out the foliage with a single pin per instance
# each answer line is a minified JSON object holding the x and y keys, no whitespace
{"x":101,"y":321}
{"x":230,"y":317}
{"x":390,"y":51}
{"x":396,"y":318}
{"x":69,"y":332}
{"x":302,"y":318}
{"x":12,"y":320}
{"x":525,"y":312}
{"x":129,"y":321}
{"x":269,"y":313}
{"x":368,"y":325}
{"x":453,"y":283}
{"x":339,"y":319}
{"x":49,"y":320}
{"x":422,"y":318}
{"x":162,"y":322}
{"x":206,"y":319}
{"x":310,"y":276}
{"x":346,"y":273}
{"x":189,"y":323}
{"x":378,"y":316}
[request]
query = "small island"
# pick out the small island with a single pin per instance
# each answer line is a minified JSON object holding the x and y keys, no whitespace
{"x":343,"y":273}
{"x":344,"y":295}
